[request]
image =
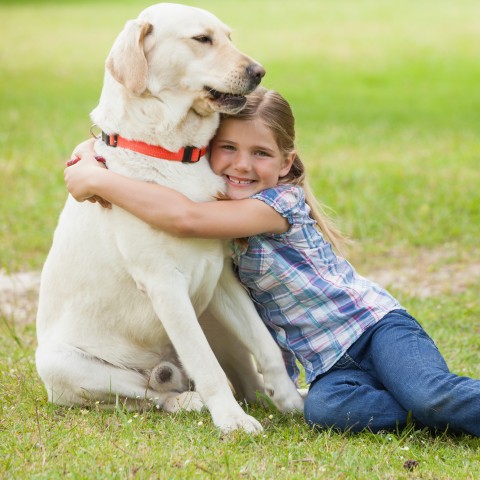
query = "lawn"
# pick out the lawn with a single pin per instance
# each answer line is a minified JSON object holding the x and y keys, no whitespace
{"x":388,"y":122}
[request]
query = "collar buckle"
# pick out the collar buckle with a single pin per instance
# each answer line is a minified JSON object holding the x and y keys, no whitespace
{"x":188,"y":154}
{"x":107,"y":139}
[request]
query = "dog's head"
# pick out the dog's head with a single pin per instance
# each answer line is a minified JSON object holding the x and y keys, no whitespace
{"x":174,"y":48}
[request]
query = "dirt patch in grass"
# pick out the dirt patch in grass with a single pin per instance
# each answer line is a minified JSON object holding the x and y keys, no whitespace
{"x":430,"y":273}
{"x":19,"y":296}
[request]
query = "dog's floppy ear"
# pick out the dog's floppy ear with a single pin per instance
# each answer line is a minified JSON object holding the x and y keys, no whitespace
{"x":127,"y":62}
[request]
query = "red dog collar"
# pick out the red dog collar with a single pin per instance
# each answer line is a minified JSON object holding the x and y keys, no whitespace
{"x":185,"y":154}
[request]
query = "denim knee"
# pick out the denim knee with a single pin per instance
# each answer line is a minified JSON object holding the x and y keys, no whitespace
{"x":322,"y":416}
{"x":317,"y":413}
{"x":331,"y":412}
{"x":434,"y":410}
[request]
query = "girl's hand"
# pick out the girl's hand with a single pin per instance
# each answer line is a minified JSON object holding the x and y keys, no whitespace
{"x":79,"y":177}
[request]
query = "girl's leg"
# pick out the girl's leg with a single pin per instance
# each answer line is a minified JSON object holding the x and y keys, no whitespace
{"x":348,"y":399}
{"x":399,"y":353}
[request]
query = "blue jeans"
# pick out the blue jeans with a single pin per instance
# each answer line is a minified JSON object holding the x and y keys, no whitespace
{"x":392,"y":369}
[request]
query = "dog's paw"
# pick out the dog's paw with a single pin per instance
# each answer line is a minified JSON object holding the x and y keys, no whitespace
{"x":287,"y":399}
{"x":167,"y":376}
{"x":186,"y":401}
{"x":237,"y":421}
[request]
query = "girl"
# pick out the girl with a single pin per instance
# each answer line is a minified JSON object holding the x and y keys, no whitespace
{"x":368,"y":362}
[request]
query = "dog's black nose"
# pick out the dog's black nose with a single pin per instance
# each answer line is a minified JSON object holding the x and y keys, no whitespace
{"x":256,"y":71}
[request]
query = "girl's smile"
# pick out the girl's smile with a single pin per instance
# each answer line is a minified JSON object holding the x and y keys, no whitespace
{"x":246,"y":154}
{"x":238,"y":181}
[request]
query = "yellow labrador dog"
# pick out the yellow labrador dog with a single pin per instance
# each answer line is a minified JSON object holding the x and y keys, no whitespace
{"x":115,"y":293}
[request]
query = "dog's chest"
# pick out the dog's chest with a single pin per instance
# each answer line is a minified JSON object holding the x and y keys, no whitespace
{"x":193,"y":263}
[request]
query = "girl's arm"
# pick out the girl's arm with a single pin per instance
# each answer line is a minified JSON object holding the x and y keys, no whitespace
{"x":167,"y":209}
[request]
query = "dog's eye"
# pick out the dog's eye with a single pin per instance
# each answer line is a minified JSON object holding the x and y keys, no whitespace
{"x":203,"y":39}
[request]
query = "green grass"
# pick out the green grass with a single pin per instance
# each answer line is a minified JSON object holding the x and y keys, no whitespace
{"x":388,"y":121}
{"x":39,"y":440}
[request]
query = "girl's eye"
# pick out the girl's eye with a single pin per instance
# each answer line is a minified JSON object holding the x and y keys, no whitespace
{"x":230,"y":148}
{"x":261,"y":153}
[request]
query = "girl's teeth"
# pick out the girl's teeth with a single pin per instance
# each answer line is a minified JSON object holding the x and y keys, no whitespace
{"x":239,"y":182}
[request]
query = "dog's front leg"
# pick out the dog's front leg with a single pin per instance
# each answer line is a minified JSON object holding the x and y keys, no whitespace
{"x":233,"y":307}
{"x":173,"y":306}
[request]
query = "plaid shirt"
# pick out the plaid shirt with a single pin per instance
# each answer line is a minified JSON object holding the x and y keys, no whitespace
{"x":313,"y":302}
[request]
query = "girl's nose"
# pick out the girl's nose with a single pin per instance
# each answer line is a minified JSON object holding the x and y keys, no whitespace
{"x":242,"y":162}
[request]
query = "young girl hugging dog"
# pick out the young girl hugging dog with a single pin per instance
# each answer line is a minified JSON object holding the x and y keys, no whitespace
{"x":369,"y":364}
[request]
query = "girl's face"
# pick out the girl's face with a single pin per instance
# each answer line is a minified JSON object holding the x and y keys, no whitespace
{"x":246,"y":154}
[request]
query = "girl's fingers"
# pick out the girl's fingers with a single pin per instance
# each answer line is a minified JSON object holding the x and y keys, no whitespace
{"x":104,"y":203}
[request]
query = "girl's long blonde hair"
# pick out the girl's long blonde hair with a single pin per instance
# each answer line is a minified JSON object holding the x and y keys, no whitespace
{"x":277,"y":115}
